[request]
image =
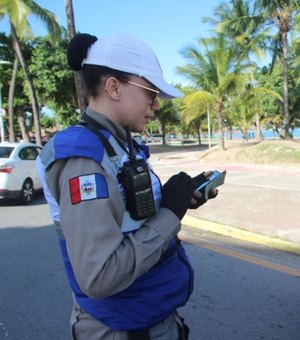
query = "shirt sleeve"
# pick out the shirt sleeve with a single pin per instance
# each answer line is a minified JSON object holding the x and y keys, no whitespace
{"x":104,"y":260}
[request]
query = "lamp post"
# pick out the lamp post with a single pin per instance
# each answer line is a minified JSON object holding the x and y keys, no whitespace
{"x":208,"y":127}
{"x":2,"y":112}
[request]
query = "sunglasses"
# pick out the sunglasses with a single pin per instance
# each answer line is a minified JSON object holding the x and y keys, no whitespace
{"x":154,"y":93}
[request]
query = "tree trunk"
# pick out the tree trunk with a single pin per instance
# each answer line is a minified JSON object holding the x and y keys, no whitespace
{"x":33,"y":97}
{"x":286,"y":119}
{"x":258,"y":134}
{"x":163,"y":134}
{"x":24,"y":133}
{"x":11,"y":97}
{"x":221,"y":125}
{"x":82,"y":100}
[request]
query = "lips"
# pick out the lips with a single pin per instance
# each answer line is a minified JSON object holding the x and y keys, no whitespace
{"x":149,"y":118}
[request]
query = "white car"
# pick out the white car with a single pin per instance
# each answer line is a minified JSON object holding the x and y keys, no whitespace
{"x":156,"y":138}
{"x":139,"y":138}
{"x":18,"y":174}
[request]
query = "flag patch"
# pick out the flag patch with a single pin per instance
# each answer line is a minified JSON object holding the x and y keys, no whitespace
{"x":88,"y":187}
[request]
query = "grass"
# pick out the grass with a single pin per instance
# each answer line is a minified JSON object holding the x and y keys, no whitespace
{"x":266,"y":152}
{"x":270,"y":153}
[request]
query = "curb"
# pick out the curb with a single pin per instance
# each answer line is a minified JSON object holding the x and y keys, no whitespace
{"x":241,"y":234}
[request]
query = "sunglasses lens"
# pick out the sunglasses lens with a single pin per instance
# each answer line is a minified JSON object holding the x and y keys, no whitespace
{"x":154,"y":93}
{"x":154,"y":99}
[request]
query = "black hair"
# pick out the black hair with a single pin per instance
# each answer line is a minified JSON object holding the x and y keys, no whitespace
{"x":78,"y":48}
{"x":92,"y":74}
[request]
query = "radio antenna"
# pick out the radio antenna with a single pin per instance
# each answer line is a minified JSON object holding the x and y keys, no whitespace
{"x":130,"y":146}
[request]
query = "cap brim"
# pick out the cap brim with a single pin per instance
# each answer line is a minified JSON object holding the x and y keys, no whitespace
{"x":166,"y":91}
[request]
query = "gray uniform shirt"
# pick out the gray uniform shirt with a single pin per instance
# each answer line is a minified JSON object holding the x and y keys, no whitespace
{"x":106,"y":261}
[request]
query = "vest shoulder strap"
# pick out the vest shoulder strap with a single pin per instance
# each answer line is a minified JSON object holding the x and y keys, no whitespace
{"x":92,"y":125}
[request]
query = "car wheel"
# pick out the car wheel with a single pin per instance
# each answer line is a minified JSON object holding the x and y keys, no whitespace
{"x":26,"y":192}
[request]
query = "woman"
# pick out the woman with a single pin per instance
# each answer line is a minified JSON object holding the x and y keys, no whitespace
{"x":117,"y":225}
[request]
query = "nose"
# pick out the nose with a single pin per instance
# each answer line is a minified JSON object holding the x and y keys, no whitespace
{"x":155,"y":106}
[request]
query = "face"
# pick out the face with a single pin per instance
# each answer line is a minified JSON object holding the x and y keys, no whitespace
{"x":140,"y":101}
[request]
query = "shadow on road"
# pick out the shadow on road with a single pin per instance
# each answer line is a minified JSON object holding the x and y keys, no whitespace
{"x":155,"y":149}
{"x":38,"y":199}
{"x":35,"y":300}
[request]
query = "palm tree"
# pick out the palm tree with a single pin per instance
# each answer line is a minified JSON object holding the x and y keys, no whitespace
{"x":167,"y":114}
{"x":239,"y":20}
{"x":216,"y":73}
{"x":246,"y":107}
{"x":17,"y":12}
{"x":195,"y":108}
{"x":281,"y":14}
{"x":78,"y":78}
{"x":253,"y":28}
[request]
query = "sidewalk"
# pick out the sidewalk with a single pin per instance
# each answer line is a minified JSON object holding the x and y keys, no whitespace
{"x":257,"y":203}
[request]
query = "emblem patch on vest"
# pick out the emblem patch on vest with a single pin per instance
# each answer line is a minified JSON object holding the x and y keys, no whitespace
{"x":88,"y":187}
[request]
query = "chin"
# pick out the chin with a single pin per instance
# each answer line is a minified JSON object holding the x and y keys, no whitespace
{"x":137,"y":129}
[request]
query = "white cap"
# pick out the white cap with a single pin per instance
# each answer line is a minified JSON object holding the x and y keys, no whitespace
{"x":125,"y":53}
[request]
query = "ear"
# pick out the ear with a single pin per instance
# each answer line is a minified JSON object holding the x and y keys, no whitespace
{"x":112,"y":87}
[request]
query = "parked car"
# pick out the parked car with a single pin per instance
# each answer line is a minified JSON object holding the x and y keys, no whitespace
{"x":18,"y":174}
{"x":155,"y":138}
{"x":139,"y":138}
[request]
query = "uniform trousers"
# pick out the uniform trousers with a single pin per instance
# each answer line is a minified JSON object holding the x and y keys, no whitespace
{"x":85,"y":327}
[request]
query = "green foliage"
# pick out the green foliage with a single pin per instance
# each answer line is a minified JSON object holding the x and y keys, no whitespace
{"x":53,"y":79}
{"x":271,"y":107}
{"x":47,"y":122}
{"x":6,"y":54}
{"x":167,"y":115}
{"x":217,"y":66}
{"x":18,"y":12}
{"x":167,"y":112}
{"x":217,"y":73}
{"x":21,"y":98}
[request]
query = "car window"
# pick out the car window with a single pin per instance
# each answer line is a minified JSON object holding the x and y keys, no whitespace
{"x":29,"y":153}
{"x":5,"y":151}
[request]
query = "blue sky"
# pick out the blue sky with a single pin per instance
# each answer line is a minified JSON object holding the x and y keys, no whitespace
{"x":166,"y":25}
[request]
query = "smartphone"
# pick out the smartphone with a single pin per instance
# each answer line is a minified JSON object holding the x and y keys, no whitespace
{"x":216,"y":179}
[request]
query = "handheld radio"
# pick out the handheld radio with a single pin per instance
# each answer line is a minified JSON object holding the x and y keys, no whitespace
{"x":136,"y":180}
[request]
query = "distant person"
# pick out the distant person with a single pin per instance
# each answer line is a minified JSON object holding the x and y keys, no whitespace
{"x":117,"y":225}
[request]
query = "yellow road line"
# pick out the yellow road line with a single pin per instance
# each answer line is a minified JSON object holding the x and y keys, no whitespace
{"x":241,"y":256}
{"x":242,"y":234}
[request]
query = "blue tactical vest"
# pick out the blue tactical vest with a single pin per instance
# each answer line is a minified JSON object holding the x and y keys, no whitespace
{"x":153,"y":296}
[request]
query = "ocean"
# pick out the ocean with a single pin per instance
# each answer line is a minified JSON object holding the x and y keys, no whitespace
{"x":268,"y":134}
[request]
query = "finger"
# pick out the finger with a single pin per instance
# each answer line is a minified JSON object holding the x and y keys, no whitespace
{"x":208,"y":173}
{"x":184,"y":177}
{"x":193,"y":201}
{"x":200,"y":177}
{"x":197,"y":194}
{"x":213,"y":193}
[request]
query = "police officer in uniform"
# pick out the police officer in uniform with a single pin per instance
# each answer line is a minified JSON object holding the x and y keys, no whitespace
{"x":117,"y":225}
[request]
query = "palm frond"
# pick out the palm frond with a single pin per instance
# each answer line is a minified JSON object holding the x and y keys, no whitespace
{"x":17,"y":12}
{"x":47,"y":17}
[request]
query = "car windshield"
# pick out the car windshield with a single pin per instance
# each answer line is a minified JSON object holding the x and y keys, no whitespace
{"x":5,"y":151}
